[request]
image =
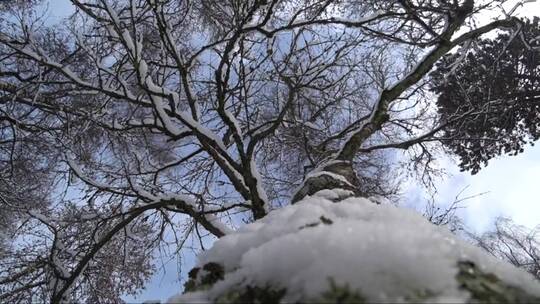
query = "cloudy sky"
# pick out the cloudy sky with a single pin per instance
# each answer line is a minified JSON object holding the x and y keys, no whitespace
{"x":511,"y":186}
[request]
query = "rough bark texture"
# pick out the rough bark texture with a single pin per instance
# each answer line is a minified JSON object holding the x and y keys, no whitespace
{"x":488,"y":288}
{"x":325,"y":179}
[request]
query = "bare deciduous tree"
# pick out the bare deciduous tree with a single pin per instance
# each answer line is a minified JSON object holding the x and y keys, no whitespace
{"x":140,"y":124}
{"x":513,"y":243}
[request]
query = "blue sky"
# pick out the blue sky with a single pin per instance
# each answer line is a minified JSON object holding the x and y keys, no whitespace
{"x":167,"y":281}
{"x":511,"y":183}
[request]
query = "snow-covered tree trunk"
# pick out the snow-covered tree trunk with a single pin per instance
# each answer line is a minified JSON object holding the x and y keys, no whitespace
{"x":330,"y":249}
{"x":336,"y":176}
{"x":331,"y":245}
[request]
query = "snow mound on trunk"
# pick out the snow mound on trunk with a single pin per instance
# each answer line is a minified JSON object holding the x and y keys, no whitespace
{"x":353,"y":250}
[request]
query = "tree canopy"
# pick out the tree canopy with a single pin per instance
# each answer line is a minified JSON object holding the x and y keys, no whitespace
{"x":496,"y":84}
{"x":142,"y":126}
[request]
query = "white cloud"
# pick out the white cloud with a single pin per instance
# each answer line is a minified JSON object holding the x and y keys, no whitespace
{"x":511,"y":186}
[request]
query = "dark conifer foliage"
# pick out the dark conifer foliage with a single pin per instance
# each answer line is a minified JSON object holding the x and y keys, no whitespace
{"x":496,"y":83}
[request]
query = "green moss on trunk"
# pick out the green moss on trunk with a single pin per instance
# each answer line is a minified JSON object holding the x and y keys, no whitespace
{"x":488,"y":288}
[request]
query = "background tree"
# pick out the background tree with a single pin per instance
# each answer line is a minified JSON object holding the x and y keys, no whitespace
{"x":513,"y":243}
